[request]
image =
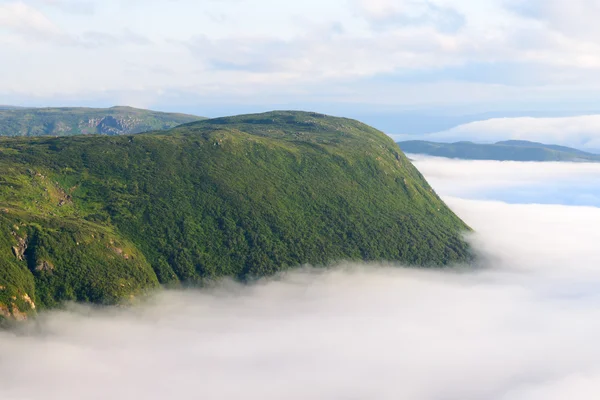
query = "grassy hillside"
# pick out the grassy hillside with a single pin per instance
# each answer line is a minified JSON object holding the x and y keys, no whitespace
{"x":85,"y":121}
{"x":99,"y":218}
{"x":512,"y":150}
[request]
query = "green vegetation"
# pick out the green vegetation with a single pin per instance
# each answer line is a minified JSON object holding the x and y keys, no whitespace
{"x":511,"y":150}
{"x":84,"y":121}
{"x":100,"y":218}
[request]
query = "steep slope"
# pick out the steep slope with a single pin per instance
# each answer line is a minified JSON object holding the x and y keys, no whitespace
{"x":84,"y":121}
{"x":511,"y":150}
{"x":97,"y":218}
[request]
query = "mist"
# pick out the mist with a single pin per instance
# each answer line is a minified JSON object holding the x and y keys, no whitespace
{"x":523,"y":325}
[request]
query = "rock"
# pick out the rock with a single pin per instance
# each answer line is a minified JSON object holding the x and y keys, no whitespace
{"x":12,"y":311}
{"x":20,"y":248}
{"x":4,"y":311}
{"x":28,"y":300}
{"x":45,"y":266}
{"x":120,"y":252}
{"x":17,"y":314}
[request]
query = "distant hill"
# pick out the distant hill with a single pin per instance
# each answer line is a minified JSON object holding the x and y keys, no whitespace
{"x":510,"y":150}
{"x":4,"y":107}
{"x":101,"y":218}
{"x":85,"y":121}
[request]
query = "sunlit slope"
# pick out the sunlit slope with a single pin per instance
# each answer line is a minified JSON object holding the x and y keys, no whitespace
{"x":99,"y":218}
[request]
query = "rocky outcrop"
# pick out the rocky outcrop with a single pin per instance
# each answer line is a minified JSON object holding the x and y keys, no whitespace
{"x":115,"y":126}
{"x":4,"y":311}
{"x":12,"y":311}
{"x":20,"y":248}
{"x":44,"y":266}
{"x":28,"y":300}
{"x":110,"y":125}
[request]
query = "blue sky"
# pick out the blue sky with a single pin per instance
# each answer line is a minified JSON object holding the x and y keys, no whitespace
{"x":210,"y":57}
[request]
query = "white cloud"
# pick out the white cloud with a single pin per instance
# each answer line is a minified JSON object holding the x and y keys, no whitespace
{"x":348,"y":51}
{"x":26,"y":20}
{"x":523,"y":327}
{"x":577,"y":18}
{"x":481,"y":177}
{"x":384,"y":13}
{"x":70,"y":6}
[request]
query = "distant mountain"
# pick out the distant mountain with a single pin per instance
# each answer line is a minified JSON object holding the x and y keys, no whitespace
{"x":99,"y":219}
{"x":85,"y":121}
{"x":510,"y":150}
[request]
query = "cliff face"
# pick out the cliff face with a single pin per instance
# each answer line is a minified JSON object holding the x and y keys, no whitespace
{"x":86,"y":121}
{"x":103,"y":218}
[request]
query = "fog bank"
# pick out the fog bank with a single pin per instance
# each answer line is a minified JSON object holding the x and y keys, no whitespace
{"x":513,"y":181}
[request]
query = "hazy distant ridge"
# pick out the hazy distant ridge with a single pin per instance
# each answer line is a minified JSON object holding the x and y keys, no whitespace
{"x":510,"y":150}
{"x":70,"y":121}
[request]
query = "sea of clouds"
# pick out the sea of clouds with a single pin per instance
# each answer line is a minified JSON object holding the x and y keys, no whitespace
{"x":524,"y":325}
{"x":514,"y":182}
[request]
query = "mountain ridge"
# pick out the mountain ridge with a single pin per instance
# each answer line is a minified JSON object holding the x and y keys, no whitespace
{"x":508,"y":150}
{"x":69,"y":121}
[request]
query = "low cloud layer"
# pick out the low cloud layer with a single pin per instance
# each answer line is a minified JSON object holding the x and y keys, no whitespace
{"x":581,"y":132}
{"x":524,"y":326}
{"x":514,"y":182}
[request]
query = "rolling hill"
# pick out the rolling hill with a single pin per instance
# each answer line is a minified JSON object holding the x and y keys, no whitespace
{"x":511,"y":150}
{"x":104,"y":218}
{"x":84,"y":121}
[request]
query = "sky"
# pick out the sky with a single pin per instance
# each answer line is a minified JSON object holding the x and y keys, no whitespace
{"x":346,"y":57}
{"x":522,"y":325}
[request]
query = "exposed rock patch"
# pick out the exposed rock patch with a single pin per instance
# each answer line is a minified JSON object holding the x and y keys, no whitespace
{"x":17,"y":314}
{"x":28,"y":300}
{"x":20,"y":248}
{"x":120,"y":252}
{"x":45,"y":266}
{"x":4,"y":311}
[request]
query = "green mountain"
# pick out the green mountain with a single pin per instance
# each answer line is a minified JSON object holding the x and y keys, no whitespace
{"x":102,"y":218}
{"x":511,"y":150}
{"x":84,"y":121}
